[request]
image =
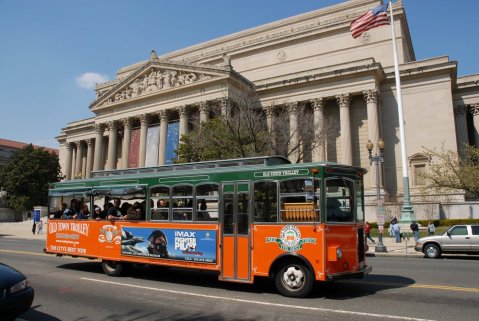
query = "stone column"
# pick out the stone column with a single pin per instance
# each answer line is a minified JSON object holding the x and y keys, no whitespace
{"x":344,"y":102}
{"x":68,"y":161}
{"x":225,"y":107}
{"x":183,"y":120}
{"x":78,"y":163}
{"x":293,"y":132}
{"x":203,"y":107}
{"x":163,"y":134}
{"x":112,"y":145}
{"x":319,"y":150}
{"x":143,"y":135}
{"x":125,"y":149}
{"x":74,"y":161}
{"x":474,"y":109}
{"x":89,"y":157}
{"x":371,"y":97}
{"x":269,"y":112}
{"x":98,"y":160}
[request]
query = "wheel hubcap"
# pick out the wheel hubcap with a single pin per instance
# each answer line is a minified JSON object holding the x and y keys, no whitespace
{"x":293,"y":277}
{"x":431,"y":251}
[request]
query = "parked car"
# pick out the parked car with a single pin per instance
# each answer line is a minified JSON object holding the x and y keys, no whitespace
{"x":460,"y":239}
{"x":16,"y":294}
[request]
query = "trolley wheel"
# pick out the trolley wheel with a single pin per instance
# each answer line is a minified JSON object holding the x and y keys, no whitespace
{"x":432,"y":251}
{"x":294,"y":279}
{"x":113,"y":268}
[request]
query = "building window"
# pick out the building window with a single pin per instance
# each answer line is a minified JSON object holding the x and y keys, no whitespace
{"x":418,"y":163}
{"x":419,"y":171}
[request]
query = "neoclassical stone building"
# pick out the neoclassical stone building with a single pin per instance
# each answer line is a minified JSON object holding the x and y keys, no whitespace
{"x":311,"y":60}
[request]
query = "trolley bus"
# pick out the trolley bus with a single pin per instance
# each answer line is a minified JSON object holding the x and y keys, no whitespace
{"x":244,"y":218}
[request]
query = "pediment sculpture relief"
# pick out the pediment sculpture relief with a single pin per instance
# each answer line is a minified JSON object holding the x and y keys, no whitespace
{"x":157,"y":80}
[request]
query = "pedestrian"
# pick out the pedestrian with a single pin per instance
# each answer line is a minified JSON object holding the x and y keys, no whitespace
{"x":367,"y":232}
{"x":40,"y":227}
{"x":34,"y":227}
{"x":415,"y":230}
{"x":431,"y":228}
{"x":397,"y":231}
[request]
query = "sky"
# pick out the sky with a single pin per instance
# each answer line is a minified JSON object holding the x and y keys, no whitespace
{"x":53,"y":51}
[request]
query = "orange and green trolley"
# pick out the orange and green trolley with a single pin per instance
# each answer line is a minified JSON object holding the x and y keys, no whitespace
{"x":243,"y":218}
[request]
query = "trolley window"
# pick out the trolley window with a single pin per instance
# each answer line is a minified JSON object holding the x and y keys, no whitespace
{"x":339,"y":200}
{"x":299,"y":199}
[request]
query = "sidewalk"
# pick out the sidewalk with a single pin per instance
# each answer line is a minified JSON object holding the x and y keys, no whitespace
{"x":22,"y":230}
{"x":405,"y":248}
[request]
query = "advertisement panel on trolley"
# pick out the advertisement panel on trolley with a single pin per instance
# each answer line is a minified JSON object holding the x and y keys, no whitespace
{"x":166,"y":243}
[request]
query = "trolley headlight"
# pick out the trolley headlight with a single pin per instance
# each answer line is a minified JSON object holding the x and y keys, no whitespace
{"x":339,"y":253}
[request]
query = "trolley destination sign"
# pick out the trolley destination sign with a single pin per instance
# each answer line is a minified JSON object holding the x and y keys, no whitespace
{"x":282,"y":172}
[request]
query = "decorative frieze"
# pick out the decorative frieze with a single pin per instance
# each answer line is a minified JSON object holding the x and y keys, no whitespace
{"x":156,"y":80}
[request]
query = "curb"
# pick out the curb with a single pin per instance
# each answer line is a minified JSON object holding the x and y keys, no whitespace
{"x":393,"y":254}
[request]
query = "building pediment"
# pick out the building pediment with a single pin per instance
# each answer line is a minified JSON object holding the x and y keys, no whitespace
{"x":157,"y":76}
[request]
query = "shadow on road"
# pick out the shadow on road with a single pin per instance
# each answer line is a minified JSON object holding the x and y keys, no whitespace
{"x":348,"y":289}
{"x":33,"y":314}
{"x":459,"y":257}
{"x":340,"y":290}
{"x":4,"y":235}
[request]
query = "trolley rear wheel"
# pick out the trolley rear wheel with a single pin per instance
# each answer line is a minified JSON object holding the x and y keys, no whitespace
{"x":113,"y":268}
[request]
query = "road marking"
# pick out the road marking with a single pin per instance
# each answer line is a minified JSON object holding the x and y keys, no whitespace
{"x":46,"y":254}
{"x":297,"y":307}
{"x":444,"y":287}
{"x":22,"y":252}
{"x":422,"y":286}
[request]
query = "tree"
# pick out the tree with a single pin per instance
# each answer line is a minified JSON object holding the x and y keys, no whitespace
{"x":239,"y":133}
{"x":449,"y":170}
{"x":243,"y":132}
{"x":26,"y":176}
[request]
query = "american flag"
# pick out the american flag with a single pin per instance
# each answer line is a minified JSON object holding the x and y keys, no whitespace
{"x":373,"y":18}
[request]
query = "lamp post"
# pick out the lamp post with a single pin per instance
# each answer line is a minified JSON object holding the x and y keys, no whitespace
{"x":376,"y":159}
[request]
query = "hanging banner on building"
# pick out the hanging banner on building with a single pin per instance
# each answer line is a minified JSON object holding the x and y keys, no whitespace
{"x":133,"y":157}
{"x":152,"y":142}
{"x":173,"y":244}
{"x":172,"y":140}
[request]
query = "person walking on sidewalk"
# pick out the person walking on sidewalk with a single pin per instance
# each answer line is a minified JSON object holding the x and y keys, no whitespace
{"x":34,"y":227}
{"x":415,"y":230}
{"x":367,"y":232}
{"x":431,"y":228}
{"x":40,"y":227}
{"x":397,"y":231}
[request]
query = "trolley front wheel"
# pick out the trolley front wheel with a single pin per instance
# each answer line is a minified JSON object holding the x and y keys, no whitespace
{"x":294,"y":279}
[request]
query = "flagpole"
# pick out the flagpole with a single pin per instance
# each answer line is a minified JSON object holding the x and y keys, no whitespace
{"x":407,"y":211}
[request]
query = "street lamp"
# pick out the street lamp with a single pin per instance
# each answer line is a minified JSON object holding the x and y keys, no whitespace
{"x":376,"y":159}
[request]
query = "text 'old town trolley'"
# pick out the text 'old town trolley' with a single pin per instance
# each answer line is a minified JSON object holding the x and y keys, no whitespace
{"x":245,"y":218}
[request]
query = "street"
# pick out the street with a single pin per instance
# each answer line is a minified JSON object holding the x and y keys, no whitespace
{"x":399,"y":288}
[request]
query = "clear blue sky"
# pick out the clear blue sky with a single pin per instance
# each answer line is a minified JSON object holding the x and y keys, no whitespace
{"x":48,"y":47}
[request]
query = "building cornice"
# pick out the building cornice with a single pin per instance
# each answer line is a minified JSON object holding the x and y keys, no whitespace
{"x":322,"y":19}
{"x":424,"y":68}
{"x":340,"y":72}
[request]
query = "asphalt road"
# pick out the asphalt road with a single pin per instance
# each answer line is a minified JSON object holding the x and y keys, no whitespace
{"x":398,"y":289}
